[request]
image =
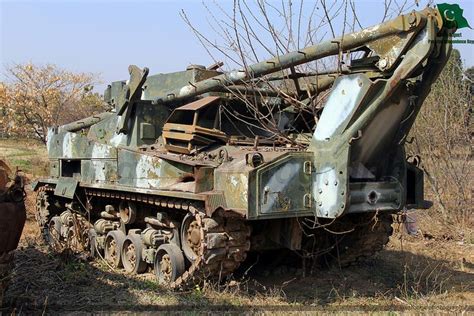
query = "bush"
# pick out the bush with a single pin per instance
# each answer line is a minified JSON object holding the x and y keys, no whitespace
{"x":441,"y":136}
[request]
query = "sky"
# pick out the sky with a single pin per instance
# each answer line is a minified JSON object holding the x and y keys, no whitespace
{"x":104,"y":37}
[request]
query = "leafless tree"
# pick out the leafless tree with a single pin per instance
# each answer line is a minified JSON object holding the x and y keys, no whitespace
{"x":252,"y":31}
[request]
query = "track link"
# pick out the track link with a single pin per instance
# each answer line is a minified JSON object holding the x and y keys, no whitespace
{"x":351,"y":239}
{"x":224,"y":245}
{"x":370,"y":235}
{"x":225,"y":239}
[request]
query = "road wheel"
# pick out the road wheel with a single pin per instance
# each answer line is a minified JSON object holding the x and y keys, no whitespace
{"x":169,"y":264}
{"x":113,"y":246}
{"x":191,"y":237}
{"x":132,"y":254}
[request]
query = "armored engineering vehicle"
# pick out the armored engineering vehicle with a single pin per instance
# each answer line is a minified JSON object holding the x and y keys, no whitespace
{"x":183,"y":179}
{"x":12,"y":220}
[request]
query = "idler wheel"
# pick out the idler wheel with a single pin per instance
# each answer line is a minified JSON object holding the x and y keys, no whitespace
{"x":127,"y":212}
{"x":191,"y":237}
{"x":169,"y":264}
{"x":132,"y":254}
{"x":113,"y":248}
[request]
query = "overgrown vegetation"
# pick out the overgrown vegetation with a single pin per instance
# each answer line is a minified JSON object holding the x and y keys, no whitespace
{"x":442,"y":137}
{"x":28,"y":155}
{"x":412,"y":278}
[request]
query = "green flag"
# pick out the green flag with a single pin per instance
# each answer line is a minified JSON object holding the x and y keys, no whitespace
{"x":452,"y":15}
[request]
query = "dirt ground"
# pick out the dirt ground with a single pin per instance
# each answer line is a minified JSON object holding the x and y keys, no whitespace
{"x":431,"y":271}
{"x":412,"y":274}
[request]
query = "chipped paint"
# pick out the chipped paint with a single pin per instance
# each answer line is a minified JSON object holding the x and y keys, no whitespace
{"x":234,"y":181}
{"x":186,"y":90}
{"x":100,"y":150}
{"x":148,"y":172}
{"x":99,"y":170}
{"x":236,"y":75}
{"x":340,"y":104}
{"x":118,"y":140}
{"x":278,"y":185}
{"x":326,"y":191}
{"x":49,"y":138}
{"x":68,"y":145}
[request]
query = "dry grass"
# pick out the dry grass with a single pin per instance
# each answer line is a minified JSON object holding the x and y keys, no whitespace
{"x":412,"y":273}
{"x":29,"y":156}
{"x":442,"y":137}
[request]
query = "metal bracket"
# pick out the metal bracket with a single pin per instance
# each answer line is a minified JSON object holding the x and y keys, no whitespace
{"x":308,"y":167}
{"x":307,"y":198}
{"x":131,"y":93}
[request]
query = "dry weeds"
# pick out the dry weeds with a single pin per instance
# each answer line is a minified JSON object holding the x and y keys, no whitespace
{"x":413,"y":273}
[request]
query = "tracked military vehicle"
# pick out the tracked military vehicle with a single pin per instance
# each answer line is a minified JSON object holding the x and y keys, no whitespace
{"x":181,"y":179}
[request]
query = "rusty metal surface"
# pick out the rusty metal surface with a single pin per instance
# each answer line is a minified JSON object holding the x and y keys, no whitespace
{"x":201,"y":103}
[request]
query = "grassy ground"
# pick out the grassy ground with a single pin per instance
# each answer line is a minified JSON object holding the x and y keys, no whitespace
{"x":27,"y":155}
{"x":432,"y":271}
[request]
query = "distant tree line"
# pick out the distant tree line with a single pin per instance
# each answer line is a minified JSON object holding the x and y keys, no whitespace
{"x":36,"y":97}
